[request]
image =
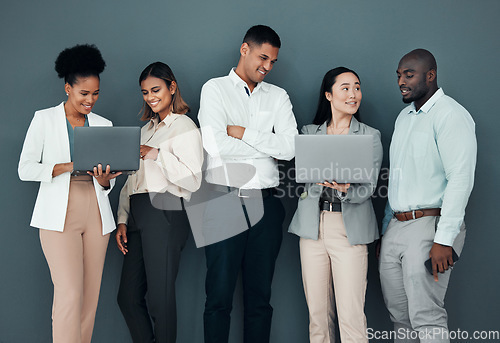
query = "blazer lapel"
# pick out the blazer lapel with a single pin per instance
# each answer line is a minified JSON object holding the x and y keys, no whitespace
{"x":321,"y":130}
{"x":62,"y":130}
{"x":354,"y":128}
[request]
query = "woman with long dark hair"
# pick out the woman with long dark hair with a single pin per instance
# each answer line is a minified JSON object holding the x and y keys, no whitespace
{"x":336,"y":221}
{"x":152,"y":223}
{"x":72,"y":212}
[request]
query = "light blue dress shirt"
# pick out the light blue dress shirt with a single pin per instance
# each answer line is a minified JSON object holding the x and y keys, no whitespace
{"x":432,"y":160}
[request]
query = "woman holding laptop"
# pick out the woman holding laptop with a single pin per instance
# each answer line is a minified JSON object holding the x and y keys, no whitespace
{"x":72,"y":212}
{"x":336,"y":221}
{"x":152,"y":223}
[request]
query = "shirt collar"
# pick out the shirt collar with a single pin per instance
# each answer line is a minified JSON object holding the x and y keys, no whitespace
{"x":238,"y":82}
{"x":428,"y":104}
{"x":154,"y":122}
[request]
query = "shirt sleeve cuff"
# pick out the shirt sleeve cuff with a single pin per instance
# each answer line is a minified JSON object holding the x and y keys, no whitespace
{"x":122,"y":220}
{"x":250,"y":136}
{"x":444,"y":238}
{"x":47,"y":175}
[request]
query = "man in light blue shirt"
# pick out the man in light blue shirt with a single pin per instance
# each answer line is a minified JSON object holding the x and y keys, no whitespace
{"x":432,"y":160}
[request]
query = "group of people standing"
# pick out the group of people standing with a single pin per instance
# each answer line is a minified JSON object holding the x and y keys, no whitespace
{"x":248,"y":125}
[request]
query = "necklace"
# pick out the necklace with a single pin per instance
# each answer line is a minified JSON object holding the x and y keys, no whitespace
{"x":77,"y":118}
{"x":332,"y":130}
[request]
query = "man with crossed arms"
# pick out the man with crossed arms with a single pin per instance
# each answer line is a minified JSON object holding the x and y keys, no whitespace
{"x":247,"y":124}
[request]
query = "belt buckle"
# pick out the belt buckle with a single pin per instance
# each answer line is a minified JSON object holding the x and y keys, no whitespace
{"x":413,"y":214}
{"x":241,"y":195}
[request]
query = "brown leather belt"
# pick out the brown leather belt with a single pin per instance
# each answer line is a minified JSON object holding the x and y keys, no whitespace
{"x":415,"y":214}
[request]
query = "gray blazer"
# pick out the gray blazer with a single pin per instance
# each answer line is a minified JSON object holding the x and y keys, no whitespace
{"x":357,"y":210}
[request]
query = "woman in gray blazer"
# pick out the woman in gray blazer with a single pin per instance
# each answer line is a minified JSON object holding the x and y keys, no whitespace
{"x":335,"y":222}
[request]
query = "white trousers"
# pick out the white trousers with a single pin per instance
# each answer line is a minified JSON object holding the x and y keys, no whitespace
{"x":332,"y":259}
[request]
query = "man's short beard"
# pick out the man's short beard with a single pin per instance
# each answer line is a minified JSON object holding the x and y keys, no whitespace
{"x":421,"y":89}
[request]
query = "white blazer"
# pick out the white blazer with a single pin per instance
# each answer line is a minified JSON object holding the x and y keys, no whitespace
{"x":47,"y":144}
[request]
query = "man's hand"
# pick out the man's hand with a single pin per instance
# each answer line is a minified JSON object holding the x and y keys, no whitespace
{"x":441,"y":257}
{"x":235,"y":131}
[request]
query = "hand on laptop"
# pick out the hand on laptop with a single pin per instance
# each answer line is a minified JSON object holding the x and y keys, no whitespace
{"x":103,"y":177}
{"x":149,"y":153}
{"x":341,"y":187}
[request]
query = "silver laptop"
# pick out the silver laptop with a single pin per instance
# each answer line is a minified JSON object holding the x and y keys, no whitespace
{"x":117,"y":146}
{"x":340,"y":158}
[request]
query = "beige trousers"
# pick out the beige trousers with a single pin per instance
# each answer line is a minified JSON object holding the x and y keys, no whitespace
{"x":332,"y":258}
{"x":76,"y":259}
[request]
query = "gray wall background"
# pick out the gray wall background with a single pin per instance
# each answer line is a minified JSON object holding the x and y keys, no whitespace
{"x":200,"y":40}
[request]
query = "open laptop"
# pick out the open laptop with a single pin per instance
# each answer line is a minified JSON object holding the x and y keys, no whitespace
{"x":117,"y":146}
{"x":339,"y":158}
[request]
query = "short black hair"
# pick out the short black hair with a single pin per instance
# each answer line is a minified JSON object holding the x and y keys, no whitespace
{"x":423,"y":55}
{"x":260,"y":34}
{"x":79,"y":61}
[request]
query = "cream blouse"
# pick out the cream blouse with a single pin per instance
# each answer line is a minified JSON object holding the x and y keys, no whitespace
{"x":176,"y":170}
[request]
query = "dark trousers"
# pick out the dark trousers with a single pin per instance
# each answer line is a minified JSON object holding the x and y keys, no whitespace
{"x":155,"y":241}
{"x":254,"y":252}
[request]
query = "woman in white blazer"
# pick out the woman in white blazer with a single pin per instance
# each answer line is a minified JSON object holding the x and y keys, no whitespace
{"x":72,"y":212}
{"x":337,"y":221}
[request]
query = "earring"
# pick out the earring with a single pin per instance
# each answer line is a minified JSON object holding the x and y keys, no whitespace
{"x":67,"y":94}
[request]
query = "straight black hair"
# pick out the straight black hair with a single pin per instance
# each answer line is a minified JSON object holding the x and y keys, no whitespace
{"x":324,"y":111}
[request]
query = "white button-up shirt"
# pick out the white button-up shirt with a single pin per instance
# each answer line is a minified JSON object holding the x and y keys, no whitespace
{"x":270,"y":127}
{"x":433,"y":159}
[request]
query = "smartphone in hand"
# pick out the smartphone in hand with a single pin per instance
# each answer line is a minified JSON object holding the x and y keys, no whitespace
{"x":428,"y":263}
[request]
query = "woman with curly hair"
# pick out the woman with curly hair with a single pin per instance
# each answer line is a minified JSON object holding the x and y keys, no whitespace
{"x":72,"y":212}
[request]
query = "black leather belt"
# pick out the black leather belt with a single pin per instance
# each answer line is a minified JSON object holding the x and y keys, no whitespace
{"x":162,"y":201}
{"x":245,"y":193}
{"x":325,"y":205}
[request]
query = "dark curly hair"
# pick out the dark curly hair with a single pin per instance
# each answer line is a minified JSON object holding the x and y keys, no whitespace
{"x":79,"y":61}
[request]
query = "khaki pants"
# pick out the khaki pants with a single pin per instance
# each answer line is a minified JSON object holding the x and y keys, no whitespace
{"x":76,"y":259}
{"x":332,"y":257}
